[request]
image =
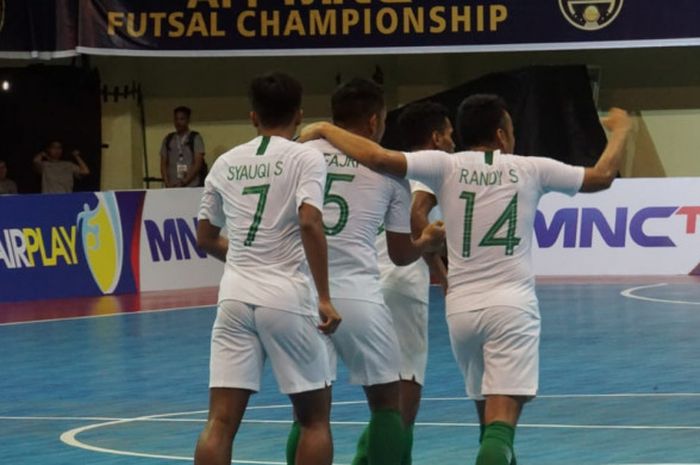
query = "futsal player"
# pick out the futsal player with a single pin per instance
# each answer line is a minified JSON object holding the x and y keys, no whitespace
{"x":422,"y":126}
{"x":489,"y":199}
{"x":268,"y":195}
{"x":358,"y":201}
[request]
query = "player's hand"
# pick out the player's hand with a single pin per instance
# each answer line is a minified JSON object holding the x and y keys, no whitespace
{"x":330,"y":318}
{"x":311,"y":132}
{"x":434,"y":236}
{"x":75,"y":154}
{"x":617,"y":120}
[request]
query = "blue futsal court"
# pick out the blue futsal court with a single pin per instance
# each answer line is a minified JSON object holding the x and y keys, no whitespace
{"x":620,"y":384}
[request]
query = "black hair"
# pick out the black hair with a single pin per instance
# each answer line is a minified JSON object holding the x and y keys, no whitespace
{"x":182,"y":109}
{"x":418,"y":121}
{"x":356,"y":101}
{"x":479,"y":117}
{"x":276,"y":98}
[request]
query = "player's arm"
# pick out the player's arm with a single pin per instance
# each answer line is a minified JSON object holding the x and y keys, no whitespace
{"x":211,"y":218}
{"x":602,"y":175}
{"x":423,"y":203}
{"x":368,"y":153}
{"x":404,"y":250}
{"x":316,"y":249}
{"x":209,"y":239}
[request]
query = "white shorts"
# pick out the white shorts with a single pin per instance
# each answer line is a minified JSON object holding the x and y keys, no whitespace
{"x":410,"y":317}
{"x":366,"y":342}
{"x":242,"y":337}
{"x":497,"y":349}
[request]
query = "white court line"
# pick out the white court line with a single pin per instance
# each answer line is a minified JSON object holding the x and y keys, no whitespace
{"x":109,"y":315}
{"x":586,"y":396}
{"x":70,"y":437}
{"x":630,"y":294}
{"x":157,"y":419}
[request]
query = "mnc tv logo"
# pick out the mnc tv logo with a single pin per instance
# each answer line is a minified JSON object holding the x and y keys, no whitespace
{"x":627,"y":226}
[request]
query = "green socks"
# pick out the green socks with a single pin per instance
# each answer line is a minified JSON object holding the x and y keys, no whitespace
{"x":408,"y":446}
{"x":292,"y":443}
{"x":497,"y":445}
{"x":361,"y":457}
{"x":383,"y":441}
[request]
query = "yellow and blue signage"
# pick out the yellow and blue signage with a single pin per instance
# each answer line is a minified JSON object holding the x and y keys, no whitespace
{"x":54,"y":246}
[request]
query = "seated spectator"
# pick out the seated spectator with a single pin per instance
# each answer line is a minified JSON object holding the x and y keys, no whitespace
{"x":58,"y":175}
{"x":182,"y":153}
{"x":7,"y":185}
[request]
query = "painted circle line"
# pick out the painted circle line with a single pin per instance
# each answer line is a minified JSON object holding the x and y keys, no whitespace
{"x":630,"y":294}
{"x":70,"y":437}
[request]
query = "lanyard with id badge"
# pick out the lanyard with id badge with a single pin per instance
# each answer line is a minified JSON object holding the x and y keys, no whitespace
{"x":182,"y":167}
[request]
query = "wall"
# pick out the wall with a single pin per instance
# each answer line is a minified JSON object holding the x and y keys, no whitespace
{"x":667,"y":103}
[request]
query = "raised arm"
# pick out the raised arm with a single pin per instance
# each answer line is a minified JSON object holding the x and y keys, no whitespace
{"x":316,"y":249}
{"x":38,"y":161}
{"x":602,"y":175}
{"x":83,"y":167}
{"x":368,"y":153}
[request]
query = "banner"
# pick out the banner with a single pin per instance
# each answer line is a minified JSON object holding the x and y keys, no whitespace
{"x":302,"y":27}
{"x":74,"y":245}
{"x":55,"y":246}
{"x":638,"y":227}
{"x":170,"y":258}
{"x":38,"y":28}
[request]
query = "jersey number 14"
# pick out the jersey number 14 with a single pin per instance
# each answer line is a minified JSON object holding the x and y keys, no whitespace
{"x":509,"y":216}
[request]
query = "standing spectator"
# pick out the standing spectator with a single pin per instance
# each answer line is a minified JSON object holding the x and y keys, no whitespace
{"x":7,"y":185}
{"x":182,"y":153}
{"x":57,"y":174}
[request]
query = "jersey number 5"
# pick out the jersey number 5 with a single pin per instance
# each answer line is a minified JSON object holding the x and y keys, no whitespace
{"x":262,"y":201}
{"x":509,"y":216}
{"x":340,"y":201}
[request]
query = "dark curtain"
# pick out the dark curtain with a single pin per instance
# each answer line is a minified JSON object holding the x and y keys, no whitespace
{"x":552,"y":109}
{"x":47,"y":103}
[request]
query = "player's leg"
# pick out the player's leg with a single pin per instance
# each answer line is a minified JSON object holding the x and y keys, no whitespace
{"x":299,"y":357}
{"x":481,"y":413}
{"x":235,"y":370}
{"x":367,"y":344}
{"x":511,"y":365}
{"x":410,"y":316}
{"x":226,"y":409}
{"x":312,"y":411}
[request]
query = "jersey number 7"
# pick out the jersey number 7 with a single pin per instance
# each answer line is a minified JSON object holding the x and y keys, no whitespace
{"x":262,"y":201}
{"x":509,"y":216}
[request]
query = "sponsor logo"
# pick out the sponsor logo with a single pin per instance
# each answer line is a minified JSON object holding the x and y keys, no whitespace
{"x":590,"y":15}
{"x":173,"y":239}
{"x":576,"y":225}
{"x":89,"y":239}
{"x":100,"y":231}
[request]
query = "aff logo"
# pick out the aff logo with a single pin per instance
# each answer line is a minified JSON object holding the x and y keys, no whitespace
{"x":100,"y":230}
{"x":175,"y":237}
{"x":577,"y":226}
{"x":590,"y":15}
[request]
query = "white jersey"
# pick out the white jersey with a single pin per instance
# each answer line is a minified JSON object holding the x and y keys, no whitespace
{"x":489,"y":201}
{"x":357,"y":202}
{"x":413,"y":280}
{"x":255,"y":190}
